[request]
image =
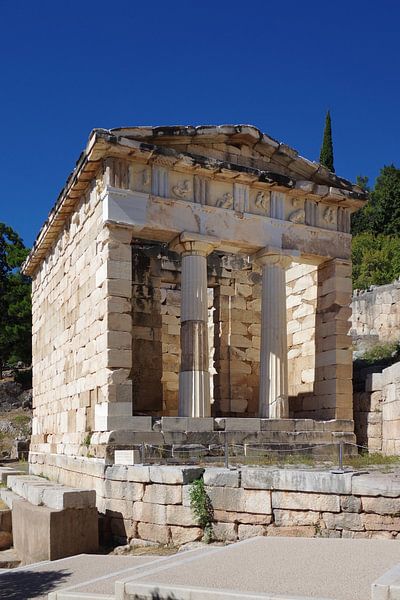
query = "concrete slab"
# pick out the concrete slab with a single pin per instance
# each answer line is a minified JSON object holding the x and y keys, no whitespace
{"x":328,"y":569}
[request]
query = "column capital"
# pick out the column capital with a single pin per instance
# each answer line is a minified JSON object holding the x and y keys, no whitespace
{"x":275,"y":256}
{"x":194,"y":244}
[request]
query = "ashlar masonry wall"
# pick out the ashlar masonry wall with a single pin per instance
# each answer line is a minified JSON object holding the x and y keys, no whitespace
{"x":153,"y":502}
{"x":81,"y":330}
{"x":376,"y":315}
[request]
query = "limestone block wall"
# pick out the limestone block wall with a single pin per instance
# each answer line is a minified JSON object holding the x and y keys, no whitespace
{"x":376,"y":315}
{"x":391,"y":410}
{"x":153,"y":503}
{"x":81,"y":331}
{"x":320,"y":360}
{"x":377,"y":408}
{"x":367,"y":406}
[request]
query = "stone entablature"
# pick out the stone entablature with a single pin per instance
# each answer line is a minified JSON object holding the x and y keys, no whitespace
{"x":97,"y":311}
{"x":283,"y":169}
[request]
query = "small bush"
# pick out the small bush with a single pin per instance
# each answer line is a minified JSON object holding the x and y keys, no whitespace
{"x":201,"y":507}
{"x":382,"y":352}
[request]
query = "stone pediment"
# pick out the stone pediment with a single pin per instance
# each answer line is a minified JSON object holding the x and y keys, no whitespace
{"x":242,"y":145}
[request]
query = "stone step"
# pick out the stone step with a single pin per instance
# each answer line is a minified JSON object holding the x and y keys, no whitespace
{"x":103,"y":588}
{"x":9,"y":559}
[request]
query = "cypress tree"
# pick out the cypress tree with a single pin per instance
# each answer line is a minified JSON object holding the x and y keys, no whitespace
{"x":326,"y":155}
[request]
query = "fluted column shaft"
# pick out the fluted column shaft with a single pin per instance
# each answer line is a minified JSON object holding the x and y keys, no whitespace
{"x":194,"y":376}
{"x":273,"y":398}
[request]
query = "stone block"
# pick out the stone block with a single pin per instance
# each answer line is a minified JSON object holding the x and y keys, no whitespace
{"x":249,"y":531}
{"x":41,"y":533}
{"x":126,"y":490}
{"x":154,"y":533}
{"x":116,"y":507}
{"x":184,"y":535}
{"x":296,"y":480}
{"x":149,"y":513}
{"x":376,"y":484}
{"x":381,"y":506}
{"x":307,"y":531}
{"x":224,"y":532}
{"x":351,"y":521}
{"x":239,"y":500}
{"x":239,"y":517}
{"x":278,"y":424}
{"x":180,"y":515}
{"x":220,"y":477}
{"x":242,"y":424}
{"x":62,"y":498}
{"x":307,"y":502}
{"x":350,"y":504}
{"x":294,"y":518}
{"x":373,"y":522}
{"x":163,"y":494}
{"x":6,"y":471}
{"x":373,"y":382}
{"x":174,"y":475}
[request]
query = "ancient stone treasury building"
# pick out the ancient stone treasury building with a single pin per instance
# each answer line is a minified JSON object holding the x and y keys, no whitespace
{"x":194,"y":272}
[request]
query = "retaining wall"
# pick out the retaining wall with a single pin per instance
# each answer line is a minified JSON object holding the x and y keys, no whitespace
{"x":376,"y":315}
{"x":152,"y":502}
{"x":377,"y":408}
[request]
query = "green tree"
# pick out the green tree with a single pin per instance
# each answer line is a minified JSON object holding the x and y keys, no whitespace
{"x":376,"y":259}
{"x":385,"y":201}
{"x":15,"y":300}
{"x":326,"y":155}
{"x":381,"y":214}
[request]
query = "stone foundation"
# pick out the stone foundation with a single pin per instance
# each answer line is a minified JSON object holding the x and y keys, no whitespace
{"x":152,"y":502}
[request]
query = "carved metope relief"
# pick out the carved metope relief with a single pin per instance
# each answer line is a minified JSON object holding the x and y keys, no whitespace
{"x":298,"y":213}
{"x":182,"y":189}
{"x":225,"y":201}
{"x":329,"y":215}
{"x":262,"y":201}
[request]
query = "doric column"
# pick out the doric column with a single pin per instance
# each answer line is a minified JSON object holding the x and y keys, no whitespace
{"x":194,"y":376}
{"x":273,"y":399}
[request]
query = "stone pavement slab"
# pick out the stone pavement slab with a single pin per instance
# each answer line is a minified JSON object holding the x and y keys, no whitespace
{"x":328,"y":569}
{"x":35,"y":582}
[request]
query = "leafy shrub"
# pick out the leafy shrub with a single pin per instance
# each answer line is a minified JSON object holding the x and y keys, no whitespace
{"x":389,"y":352}
{"x":201,"y":507}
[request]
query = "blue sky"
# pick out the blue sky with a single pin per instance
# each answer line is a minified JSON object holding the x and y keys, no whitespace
{"x":67,"y":67}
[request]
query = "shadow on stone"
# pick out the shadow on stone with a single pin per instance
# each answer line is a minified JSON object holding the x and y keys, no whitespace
{"x":155,"y":595}
{"x":23,"y":585}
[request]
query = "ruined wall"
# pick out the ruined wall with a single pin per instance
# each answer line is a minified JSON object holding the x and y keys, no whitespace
{"x":376,"y":315}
